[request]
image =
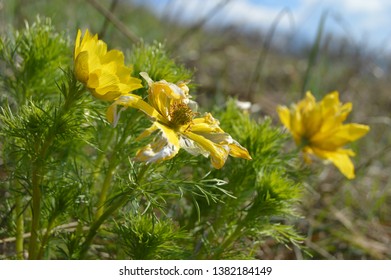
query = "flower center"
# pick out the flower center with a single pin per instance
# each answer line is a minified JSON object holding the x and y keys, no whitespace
{"x":180,"y":114}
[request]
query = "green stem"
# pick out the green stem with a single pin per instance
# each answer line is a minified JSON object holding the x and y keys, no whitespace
{"x":36,"y":208}
{"x":109,"y":175}
{"x":102,"y":155}
{"x":105,"y":189}
{"x":228,"y":242}
{"x":19,"y":227}
{"x":142,"y":172}
{"x":45,"y":238}
{"x":115,"y":205}
{"x":38,"y":166}
{"x":36,"y":180}
{"x":96,"y":225}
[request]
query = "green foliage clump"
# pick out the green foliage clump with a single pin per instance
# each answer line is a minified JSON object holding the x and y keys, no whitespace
{"x":31,"y":62}
{"x":154,"y":59}
{"x":144,"y":237}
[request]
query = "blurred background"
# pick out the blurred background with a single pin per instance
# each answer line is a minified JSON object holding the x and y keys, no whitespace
{"x":269,"y":53}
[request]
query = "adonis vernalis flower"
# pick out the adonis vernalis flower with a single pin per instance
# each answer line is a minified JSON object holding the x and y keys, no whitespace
{"x":103,"y":72}
{"x":174,"y":118}
{"x":318,"y":129}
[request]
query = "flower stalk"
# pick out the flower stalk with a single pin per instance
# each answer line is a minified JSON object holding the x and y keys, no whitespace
{"x":115,"y":205}
{"x":105,"y":188}
{"x":19,"y":243}
{"x":36,"y":211}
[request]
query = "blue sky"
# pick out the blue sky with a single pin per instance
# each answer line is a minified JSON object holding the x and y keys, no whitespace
{"x":366,"y":22}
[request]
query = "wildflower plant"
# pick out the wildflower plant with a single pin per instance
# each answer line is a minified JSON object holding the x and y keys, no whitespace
{"x":100,"y":161}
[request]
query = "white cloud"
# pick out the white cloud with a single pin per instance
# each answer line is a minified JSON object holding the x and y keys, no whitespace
{"x":248,"y":13}
{"x":362,"y":17}
{"x":362,"y":7}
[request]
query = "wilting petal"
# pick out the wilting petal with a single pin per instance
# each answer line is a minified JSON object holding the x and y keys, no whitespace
{"x":134,"y":101}
{"x":147,"y":132}
{"x":191,"y":147}
{"x":218,"y":153}
{"x":112,"y":113}
{"x":165,"y":147}
{"x":237,"y":150}
{"x":162,"y":94}
{"x":224,"y":139}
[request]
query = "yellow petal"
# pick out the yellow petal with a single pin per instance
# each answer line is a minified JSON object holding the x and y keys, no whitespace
{"x":169,"y":134}
{"x":236,"y":150}
{"x":104,"y":73}
{"x":206,"y":124}
{"x":285,"y":116}
{"x":162,"y":94}
{"x":115,"y":56}
{"x":297,"y":127}
{"x":333,"y":112}
{"x":218,"y":153}
{"x":147,"y":132}
{"x":208,"y":127}
{"x":165,"y":147}
{"x":224,"y":140}
{"x":307,"y":103}
{"x":340,"y":136}
{"x":134,"y":83}
{"x":112,"y":113}
{"x":134,"y":101}
{"x":340,"y":159}
{"x":77,"y":44}
{"x":103,"y":83}
{"x":330,"y":100}
{"x":81,"y":67}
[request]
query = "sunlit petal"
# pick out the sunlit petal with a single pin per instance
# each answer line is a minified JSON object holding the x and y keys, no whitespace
{"x":102,"y":71}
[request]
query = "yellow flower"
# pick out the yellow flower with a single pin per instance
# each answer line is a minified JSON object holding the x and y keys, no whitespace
{"x":173,"y":115}
{"x":317,"y":127}
{"x":103,"y":72}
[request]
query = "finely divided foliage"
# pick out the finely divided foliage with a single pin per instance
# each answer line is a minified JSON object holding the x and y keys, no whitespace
{"x":103,"y":160}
